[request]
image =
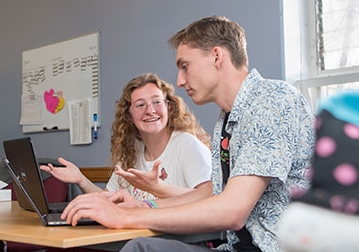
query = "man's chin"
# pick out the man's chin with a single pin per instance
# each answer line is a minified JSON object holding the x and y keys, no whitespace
{"x":198,"y":101}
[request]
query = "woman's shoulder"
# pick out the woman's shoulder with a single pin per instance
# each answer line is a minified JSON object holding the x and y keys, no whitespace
{"x":186,"y":139}
{"x":182,"y":135}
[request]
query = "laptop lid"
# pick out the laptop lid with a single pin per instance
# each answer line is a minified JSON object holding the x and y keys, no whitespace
{"x":24,"y":169}
{"x":21,"y":155}
{"x":18,"y":180}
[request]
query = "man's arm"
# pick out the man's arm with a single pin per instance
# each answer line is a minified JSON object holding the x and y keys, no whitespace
{"x":228,"y":210}
{"x":203,"y":191}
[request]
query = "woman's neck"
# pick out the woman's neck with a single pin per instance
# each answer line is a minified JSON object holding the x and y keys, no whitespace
{"x":155,"y":144}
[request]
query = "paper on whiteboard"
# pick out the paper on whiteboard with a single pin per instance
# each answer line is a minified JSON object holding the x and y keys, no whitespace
{"x":80,"y":122}
{"x":30,"y":109}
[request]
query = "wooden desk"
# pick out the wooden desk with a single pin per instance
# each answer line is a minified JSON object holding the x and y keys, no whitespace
{"x":19,"y":225}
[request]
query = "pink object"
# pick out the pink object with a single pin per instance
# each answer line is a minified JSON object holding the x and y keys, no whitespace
{"x":51,"y":101}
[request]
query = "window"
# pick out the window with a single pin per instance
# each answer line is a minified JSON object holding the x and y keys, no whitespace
{"x":337,"y":33}
{"x":322,"y":46}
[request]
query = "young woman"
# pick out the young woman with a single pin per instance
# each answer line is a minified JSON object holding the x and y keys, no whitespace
{"x":158,"y":148}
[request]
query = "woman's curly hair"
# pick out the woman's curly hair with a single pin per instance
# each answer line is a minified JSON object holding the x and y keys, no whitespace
{"x":125,"y":133}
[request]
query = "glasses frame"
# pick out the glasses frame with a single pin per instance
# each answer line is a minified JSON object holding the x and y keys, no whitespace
{"x":155,"y":103}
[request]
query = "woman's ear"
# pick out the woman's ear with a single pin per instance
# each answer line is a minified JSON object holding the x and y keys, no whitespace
{"x":169,"y":105}
{"x":129,"y":117}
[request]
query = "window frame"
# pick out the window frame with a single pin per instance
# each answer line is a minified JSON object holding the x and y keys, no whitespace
{"x":299,"y":21}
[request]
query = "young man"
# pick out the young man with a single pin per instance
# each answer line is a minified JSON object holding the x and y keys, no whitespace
{"x":263,"y":141}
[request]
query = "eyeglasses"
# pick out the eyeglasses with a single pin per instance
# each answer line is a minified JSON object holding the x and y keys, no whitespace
{"x":142,"y":106}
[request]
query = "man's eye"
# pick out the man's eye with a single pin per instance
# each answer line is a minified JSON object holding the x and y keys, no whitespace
{"x":156,"y":102}
{"x":184,"y":67}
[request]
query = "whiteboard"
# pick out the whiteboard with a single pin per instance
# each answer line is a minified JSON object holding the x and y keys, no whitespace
{"x":54,"y":75}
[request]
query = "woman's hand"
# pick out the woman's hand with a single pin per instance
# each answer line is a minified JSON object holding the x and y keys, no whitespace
{"x":68,"y":174}
{"x":145,"y":181}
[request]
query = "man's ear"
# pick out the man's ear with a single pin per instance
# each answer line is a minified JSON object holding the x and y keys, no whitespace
{"x":217,"y":54}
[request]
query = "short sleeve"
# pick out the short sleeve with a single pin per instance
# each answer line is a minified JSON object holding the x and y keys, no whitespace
{"x":112,"y":184}
{"x":265,"y":144}
{"x":196,"y":163}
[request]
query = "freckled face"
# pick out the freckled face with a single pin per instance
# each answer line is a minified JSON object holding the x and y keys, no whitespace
{"x":150,"y":119}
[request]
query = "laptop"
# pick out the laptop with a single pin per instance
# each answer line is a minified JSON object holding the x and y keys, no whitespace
{"x":22,"y":200}
{"x":24,"y":169}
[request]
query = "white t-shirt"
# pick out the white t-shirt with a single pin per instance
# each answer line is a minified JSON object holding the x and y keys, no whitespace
{"x":185,"y":162}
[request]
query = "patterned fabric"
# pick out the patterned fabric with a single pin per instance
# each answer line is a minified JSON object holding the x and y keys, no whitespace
{"x":325,"y":218}
{"x":272,"y":131}
{"x":335,"y":169}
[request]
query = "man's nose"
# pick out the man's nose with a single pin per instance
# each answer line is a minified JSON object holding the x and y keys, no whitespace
{"x":180,"y":80}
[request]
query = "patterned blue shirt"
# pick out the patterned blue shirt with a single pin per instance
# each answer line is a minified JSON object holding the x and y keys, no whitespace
{"x":272,"y":135}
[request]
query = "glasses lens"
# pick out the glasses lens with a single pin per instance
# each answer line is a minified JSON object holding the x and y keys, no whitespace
{"x":156,"y":104}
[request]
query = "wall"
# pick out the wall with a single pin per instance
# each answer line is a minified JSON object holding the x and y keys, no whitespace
{"x":133,"y":37}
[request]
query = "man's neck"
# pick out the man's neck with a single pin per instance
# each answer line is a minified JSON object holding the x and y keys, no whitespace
{"x":229,"y":88}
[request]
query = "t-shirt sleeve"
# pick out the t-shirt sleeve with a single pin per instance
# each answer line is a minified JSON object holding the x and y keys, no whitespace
{"x":112,"y":184}
{"x":196,"y":163}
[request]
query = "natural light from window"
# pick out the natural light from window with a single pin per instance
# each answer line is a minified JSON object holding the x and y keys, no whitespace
{"x":337,"y":33}
{"x":321,"y":39}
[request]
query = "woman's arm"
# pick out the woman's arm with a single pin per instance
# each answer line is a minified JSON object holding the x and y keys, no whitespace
{"x":71,"y":174}
{"x":149,"y":182}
